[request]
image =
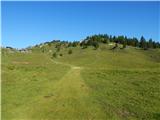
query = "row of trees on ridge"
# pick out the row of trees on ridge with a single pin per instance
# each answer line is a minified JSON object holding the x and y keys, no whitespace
{"x":124,"y":40}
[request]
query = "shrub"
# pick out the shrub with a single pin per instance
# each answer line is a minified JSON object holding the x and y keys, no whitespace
{"x":43,"y":49}
{"x":95,"y":44}
{"x":124,"y":44}
{"x":70,"y":51}
{"x":58,"y":46}
{"x":58,"y":49}
{"x":11,"y":67}
{"x":60,"y":54}
{"x":54,"y":55}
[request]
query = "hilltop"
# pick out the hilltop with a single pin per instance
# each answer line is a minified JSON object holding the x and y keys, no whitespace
{"x":95,"y":40}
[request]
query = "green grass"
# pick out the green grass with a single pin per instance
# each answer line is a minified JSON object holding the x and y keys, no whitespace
{"x":126,"y":94}
{"x":85,"y":85}
{"x":30,"y":80}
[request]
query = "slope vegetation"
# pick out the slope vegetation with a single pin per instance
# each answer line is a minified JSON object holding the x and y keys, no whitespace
{"x":85,"y":85}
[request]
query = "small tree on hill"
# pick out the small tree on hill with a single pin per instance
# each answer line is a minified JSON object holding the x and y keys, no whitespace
{"x":49,"y":44}
{"x":54,"y":55}
{"x":70,"y":51}
{"x":150,"y":43}
{"x":43,"y":49}
{"x":74,"y":44}
{"x":124,"y":44}
{"x":95,"y":44}
{"x":60,"y":54}
{"x":143,"y":43}
{"x":69,"y":44}
{"x":58,"y":48}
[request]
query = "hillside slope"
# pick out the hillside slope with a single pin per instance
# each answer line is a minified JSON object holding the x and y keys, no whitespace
{"x":85,"y":85}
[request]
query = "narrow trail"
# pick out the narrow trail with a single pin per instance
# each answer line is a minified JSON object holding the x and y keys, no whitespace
{"x":72,"y":100}
{"x":69,"y":65}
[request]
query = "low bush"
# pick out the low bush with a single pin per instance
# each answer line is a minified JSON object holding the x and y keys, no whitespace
{"x":11,"y":67}
{"x":70,"y":51}
{"x":54,"y":55}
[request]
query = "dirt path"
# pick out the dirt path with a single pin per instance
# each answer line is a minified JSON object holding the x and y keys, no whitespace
{"x":69,"y":65}
{"x":66,"y":98}
{"x":72,"y":100}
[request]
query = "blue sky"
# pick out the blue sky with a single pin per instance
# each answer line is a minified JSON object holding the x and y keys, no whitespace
{"x":30,"y":23}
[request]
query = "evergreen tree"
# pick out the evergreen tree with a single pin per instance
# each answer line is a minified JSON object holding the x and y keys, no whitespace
{"x":143,"y":43}
{"x":150,"y":43}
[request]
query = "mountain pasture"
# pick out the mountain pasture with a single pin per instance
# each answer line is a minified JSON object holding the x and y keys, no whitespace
{"x":87,"y":84}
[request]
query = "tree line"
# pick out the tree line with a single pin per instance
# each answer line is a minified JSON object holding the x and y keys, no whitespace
{"x":94,"y":41}
{"x":124,"y":40}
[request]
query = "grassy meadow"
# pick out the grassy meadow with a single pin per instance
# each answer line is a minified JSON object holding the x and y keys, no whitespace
{"x":102,"y":84}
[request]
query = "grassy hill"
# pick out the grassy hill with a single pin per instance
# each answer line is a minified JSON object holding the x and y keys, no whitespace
{"x":88,"y":84}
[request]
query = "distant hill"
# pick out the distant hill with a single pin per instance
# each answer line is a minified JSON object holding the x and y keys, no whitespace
{"x":95,"y":40}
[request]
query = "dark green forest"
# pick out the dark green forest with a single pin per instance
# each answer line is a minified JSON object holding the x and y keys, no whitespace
{"x":94,"y":40}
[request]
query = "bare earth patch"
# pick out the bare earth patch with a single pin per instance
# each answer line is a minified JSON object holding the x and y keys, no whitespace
{"x":17,"y":62}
